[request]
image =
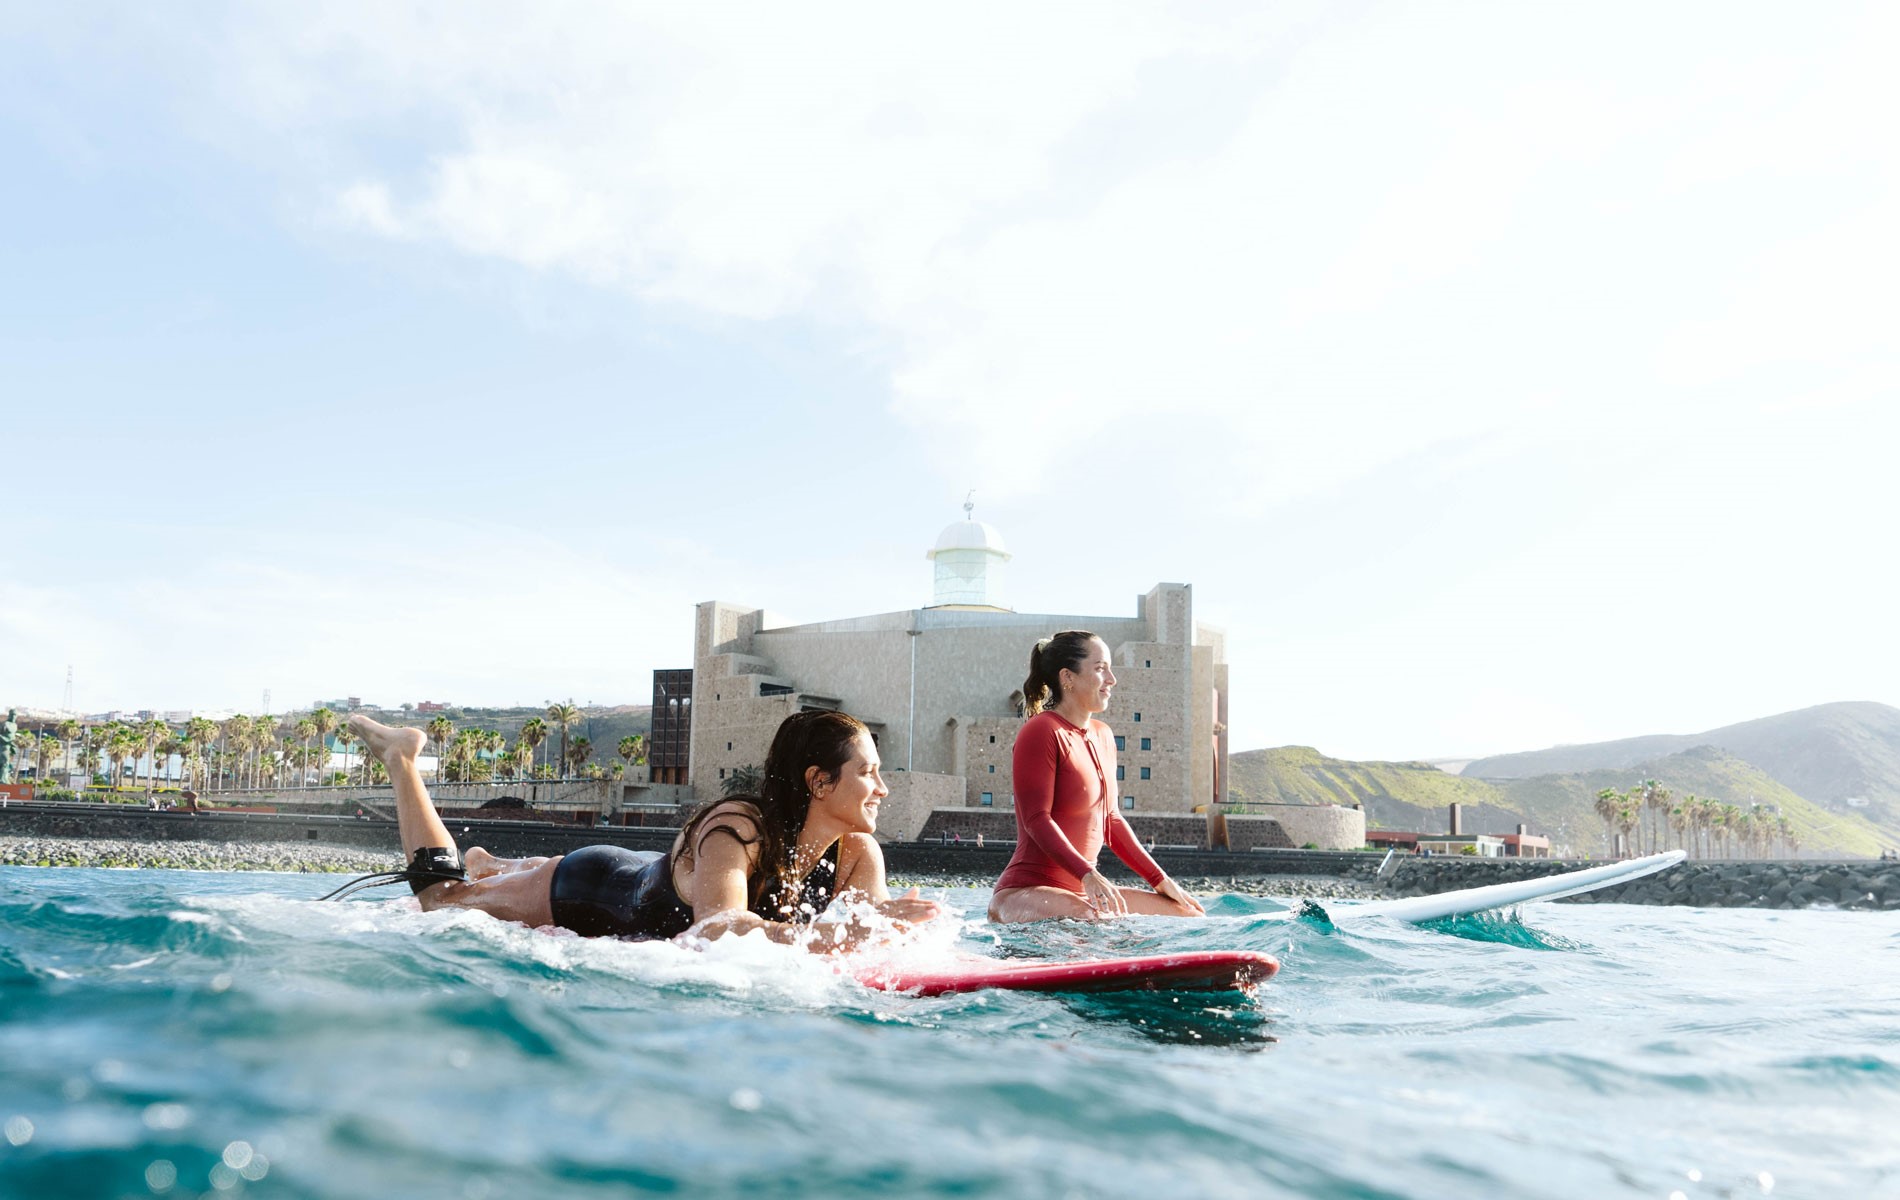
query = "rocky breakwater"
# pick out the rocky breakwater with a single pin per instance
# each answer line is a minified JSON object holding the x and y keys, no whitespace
{"x":1861,"y":885}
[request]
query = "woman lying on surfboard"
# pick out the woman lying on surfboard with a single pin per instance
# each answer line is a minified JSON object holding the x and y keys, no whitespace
{"x":771,"y":862}
{"x":1065,"y":808}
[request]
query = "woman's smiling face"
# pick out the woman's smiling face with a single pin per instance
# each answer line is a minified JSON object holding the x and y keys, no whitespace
{"x":1092,"y":680}
{"x":852,"y":799}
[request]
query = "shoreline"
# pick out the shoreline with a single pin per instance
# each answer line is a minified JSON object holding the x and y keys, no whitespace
{"x":302,"y":858}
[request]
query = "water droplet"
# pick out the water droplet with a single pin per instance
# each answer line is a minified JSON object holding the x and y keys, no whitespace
{"x":224,"y":1178}
{"x":1695,"y":1176}
{"x":161,"y":1175}
{"x":75,"y":1090}
{"x":108,"y":1070}
{"x":1678,"y":1194}
{"x":166,"y":1116}
{"x":1767,"y":1182}
{"x":460,"y":1059}
{"x":746,"y":1100}
{"x":256,"y":1169}
{"x":237,"y":1155}
{"x":19,"y":1131}
{"x":221,"y":983}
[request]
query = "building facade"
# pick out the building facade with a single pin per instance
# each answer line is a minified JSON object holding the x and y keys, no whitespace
{"x":941,"y":689}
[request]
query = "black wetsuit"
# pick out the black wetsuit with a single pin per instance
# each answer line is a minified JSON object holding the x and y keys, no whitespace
{"x":610,"y":891}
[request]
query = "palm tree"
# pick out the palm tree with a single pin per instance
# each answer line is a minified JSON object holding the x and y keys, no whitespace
{"x":1679,"y":820}
{"x":564,"y":715}
{"x":1609,"y":803}
{"x":741,"y":781}
{"x":48,"y":749}
{"x":96,"y":739}
{"x":69,"y":733}
{"x":1629,"y":814}
{"x":325,"y":721}
{"x":633,"y":749}
{"x":152,"y":732}
{"x":494,"y":742}
{"x":440,"y":729}
{"x":237,"y":731}
{"x":346,"y":742}
{"x":306,"y":729}
{"x":200,"y":732}
{"x":124,"y":744}
{"x":579,"y":753}
{"x":534,"y":731}
{"x":264,"y":737}
{"x":1654,"y":798}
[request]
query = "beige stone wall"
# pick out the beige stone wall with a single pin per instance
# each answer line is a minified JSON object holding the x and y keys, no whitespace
{"x":913,"y":794}
{"x":1327,"y":826}
{"x":937,"y":686}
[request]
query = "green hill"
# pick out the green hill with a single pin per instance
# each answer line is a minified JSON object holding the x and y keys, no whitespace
{"x":1414,"y":796}
{"x":1396,"y":795}
{"x":1844,"y":757}
{"x":1563,"y":806}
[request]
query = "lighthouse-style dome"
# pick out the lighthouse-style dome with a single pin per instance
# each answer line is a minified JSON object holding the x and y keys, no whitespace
{"x":969,"y":556}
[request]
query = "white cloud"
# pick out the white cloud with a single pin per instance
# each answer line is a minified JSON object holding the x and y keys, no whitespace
{"x":1220,"y":261}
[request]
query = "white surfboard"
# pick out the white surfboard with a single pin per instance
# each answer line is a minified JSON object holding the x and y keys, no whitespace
{"x":1501,"y":895}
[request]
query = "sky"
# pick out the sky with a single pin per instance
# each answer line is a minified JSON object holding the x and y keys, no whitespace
{"x":1499,"y":375}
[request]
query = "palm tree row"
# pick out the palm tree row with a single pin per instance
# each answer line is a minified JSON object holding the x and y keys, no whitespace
{"x":258,"y":751}
{"x":1648,"y":813}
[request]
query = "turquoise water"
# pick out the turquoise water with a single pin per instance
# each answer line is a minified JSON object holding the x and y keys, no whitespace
{"x":185,"y":1033}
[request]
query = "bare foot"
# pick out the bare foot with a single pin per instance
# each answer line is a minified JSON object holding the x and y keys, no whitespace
{"x":481,"y":864}
{"x":390,"y":743}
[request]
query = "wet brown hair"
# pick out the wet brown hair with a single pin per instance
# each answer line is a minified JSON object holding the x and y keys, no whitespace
{"x":814,"y":738}
{"x":1047,"y":660}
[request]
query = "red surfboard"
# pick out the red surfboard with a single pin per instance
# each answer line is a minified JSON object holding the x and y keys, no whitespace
{"x":1200,"y":971}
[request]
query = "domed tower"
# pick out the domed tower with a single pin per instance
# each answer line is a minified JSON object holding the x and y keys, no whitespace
{"x":969,"y":557}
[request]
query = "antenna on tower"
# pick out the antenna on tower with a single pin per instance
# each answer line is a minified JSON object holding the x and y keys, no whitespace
{"x":267,"y":702}
{"x":66,"y":705}
{"x":969,"y":506}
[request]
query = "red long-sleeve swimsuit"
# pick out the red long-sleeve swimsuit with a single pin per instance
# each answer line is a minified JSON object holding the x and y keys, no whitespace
{"x":1065,"y":808}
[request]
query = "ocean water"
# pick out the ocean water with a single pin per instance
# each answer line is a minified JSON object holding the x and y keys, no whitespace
{"x":185,"y":1034}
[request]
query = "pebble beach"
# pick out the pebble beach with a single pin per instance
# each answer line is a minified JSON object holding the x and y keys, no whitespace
{"x":317,"y":858}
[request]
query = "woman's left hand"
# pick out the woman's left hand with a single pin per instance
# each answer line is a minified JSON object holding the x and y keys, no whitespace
{"x":911,"y":909}
{"x":1169,"y":889}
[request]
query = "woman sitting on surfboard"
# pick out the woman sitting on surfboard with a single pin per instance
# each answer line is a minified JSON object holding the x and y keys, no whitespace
{"x":1065,"y":808}
{"x":771,"y":862}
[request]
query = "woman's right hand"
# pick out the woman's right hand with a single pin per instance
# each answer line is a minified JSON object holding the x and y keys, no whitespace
{"x":1103,"y":896}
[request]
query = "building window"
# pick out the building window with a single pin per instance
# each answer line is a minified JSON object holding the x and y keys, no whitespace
{"x":1121,"y":743}
{"x":728,"y":745}
{"x":1137,"y":718}
{"x":1147,"y":662}
{"x":1144,"y":772}
{"x":1128,"y":802}
{"x":1121,"y":772}
{"x":992,"y":739}
{"x":986,"y":800}
{"x":722,"y":772}
{"x":1147,"y":743}
{"x":992,"y":768}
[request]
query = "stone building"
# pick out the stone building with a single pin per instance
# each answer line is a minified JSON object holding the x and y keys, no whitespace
{"x":940,"y":687}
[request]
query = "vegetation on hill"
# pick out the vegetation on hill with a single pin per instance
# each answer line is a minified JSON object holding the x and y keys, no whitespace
{"x":1833,"y":755}
{"x":1414,"y":797}
{"x":1565,"y":805}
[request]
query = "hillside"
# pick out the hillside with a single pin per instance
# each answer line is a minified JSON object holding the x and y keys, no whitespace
{"x":1563,"y":806}
{"x":1414,"y":796}
{"x":1829,"y":754}
{"x":1395,"y":795}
